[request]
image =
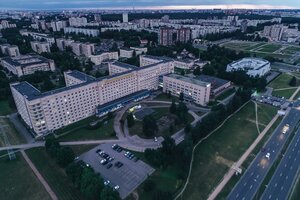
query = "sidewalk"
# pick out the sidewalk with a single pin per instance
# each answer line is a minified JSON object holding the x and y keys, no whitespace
{"x":39,"y":176}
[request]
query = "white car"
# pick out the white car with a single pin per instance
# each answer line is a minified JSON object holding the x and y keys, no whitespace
{"x":268,"y":156}
{"x":102,"y":161}
{"x":116,"y":187}
{"x":285,"y":128}
{"x":155,"y":139}
{"x":106,"y":182}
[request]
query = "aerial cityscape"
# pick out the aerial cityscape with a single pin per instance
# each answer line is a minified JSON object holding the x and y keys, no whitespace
{"x":149,"y":100}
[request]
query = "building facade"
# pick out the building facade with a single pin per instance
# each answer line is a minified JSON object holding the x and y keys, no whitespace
{"x":27,"y":64}
{"x":165,"y":36}
{"x":40,"y":47}
{"x":10,"y":50}
{"x":193,"y":90}
{"x":104,"y":56}
{"x":183,"y":35}
{"x":46,"y":112}
{"x":85,"y":31}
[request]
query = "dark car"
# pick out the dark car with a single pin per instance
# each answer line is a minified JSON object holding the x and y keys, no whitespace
{"x":109,"y":165}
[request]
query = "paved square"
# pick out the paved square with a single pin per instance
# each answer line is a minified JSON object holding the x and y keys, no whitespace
{"x":128,"y":177}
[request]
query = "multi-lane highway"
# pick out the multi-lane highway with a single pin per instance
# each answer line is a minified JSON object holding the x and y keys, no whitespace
{"x":252,"y":179}
{"x":282,"y":181}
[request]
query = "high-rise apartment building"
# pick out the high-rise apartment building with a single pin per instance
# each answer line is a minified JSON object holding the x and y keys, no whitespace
{"x":165,"y":36}
{"x":183,"y":35}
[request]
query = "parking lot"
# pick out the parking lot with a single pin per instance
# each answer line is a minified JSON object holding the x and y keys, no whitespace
{"x":127,"y":176}
{"x":273,"y":100}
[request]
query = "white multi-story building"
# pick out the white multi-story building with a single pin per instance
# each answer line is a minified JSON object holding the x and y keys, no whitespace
{"x":119,"y":67}
{"x":85,"y":31}
{"x":193,"y":89}
{"x":27,"y":64}
{"x":77,"y":21}
{"x":126,"y":52}
{"x":274,"y":32}
{"x":40,"y":47}
{"x":104,"y":56}
{"x":10,"y":50}
{"x":185,"y":64}
{"x":62,"y":43}
{"x":125,"y":17}
{"x":58,"y":25}
{"x":86,"y":49}
{"x":252,"y":66}
{"x":139,"y":50}
{"x":5,"y":24}
{"x":46,"y":112}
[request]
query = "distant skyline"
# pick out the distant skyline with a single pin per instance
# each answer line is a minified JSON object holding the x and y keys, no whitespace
{"x":148,"y":4}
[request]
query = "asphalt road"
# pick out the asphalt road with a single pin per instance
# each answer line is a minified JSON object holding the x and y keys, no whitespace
{"x":285,"y":175}
{"x":252,"y":179}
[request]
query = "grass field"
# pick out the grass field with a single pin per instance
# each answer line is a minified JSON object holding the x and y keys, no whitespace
{"x":282,"y":81}
{"x":225,"y":94}
{"x":263,"y":49}
{"x":12,"y":134}
{"x":19,"y":182}
{"x":228,"y":187}
{"x":269,"y":48}
{"x":214,"y":156}
{"x":53,"y":174}
{"x":5,"y":109}
{"x":80,"y":149}
{"x":284,"y":93}
{"x":105,"y":131}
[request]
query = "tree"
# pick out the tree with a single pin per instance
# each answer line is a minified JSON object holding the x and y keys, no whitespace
{"x":149,"y":185}
{"x":197,"y":71}
{"x":149,"y":126}
{"x":91,"y":184}
{"x":293,"y":82}
{"x":173,"y":107}
{"x":52,"y":145}
{"x":74,"y":171}
{"x":109,"y":194}
{"x":130,"y":120}
{"x":65,"y":156}
{"x":208,"y":70}
{"x":181,"y":96}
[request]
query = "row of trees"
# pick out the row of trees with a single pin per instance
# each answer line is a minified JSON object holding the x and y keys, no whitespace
{"x":89,"y":183}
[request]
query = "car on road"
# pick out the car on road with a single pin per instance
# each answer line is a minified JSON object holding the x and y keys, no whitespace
{"x":268,"y":156}
{"x":155,"y":139}
{"x":285,"y":128}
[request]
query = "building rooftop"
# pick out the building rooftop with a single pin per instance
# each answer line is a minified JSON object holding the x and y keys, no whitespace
{"x":25,"y":60}
{"x":215,"y":82}
{"x":124,"y":65}
{"x":26,"y":89}
{"x":249,"y":63}
{"x":189,"y":80}
{"x":81,"y":76}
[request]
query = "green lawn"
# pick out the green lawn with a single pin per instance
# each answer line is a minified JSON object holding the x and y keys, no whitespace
{"x":105,"y":131}
{"x":18,"y":182}
{"x":228,"y":187}
{"x":214,"y":156}
{"x":12,"y":134}
{"x":53,"y":174}
{"x":225,"y":94}
{"x":5,"y":109}
{"x":165,"y":97}
{"x":284,"y":93}
{"x":282,"y":81}
{"x":269,"y":48}
{"x":80,"y":149}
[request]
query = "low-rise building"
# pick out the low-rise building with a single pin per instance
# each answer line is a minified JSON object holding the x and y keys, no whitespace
{"x":252,"y":66}
{"x":62,"y":43}
{"x":185,"y":64}
{"x":126,"y":52}
{"x":27,"y":64}
{"x":85,"y":31}
{"x":104,"y":56}
{"x":10,"y":50}
{"x":193,"y":89}
{"x":139,"y":50}
{"x":40,"y":47}
{"x":119,"y":67}
{"x":86,"y":49}
{"x":218,"y":85}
